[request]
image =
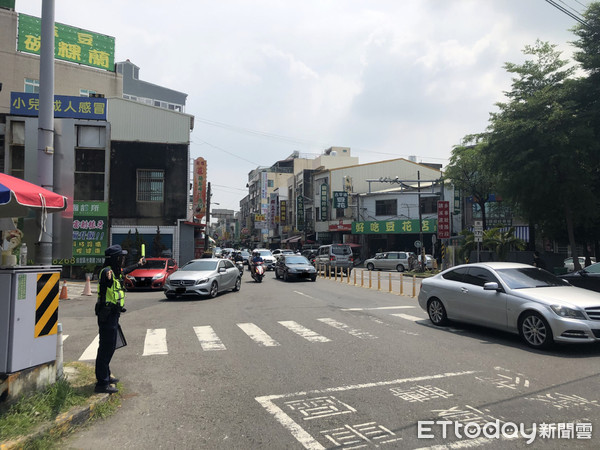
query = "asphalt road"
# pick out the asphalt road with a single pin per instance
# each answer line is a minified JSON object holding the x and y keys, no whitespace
{"x":328,"y":365}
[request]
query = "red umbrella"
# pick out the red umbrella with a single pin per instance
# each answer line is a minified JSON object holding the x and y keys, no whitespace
{"x":18,"y":197}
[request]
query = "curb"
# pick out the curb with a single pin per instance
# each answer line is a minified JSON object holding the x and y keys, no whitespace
{"x":61,"y":424}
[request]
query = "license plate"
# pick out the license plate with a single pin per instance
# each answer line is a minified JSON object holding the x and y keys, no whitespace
{"x":180,"y":290}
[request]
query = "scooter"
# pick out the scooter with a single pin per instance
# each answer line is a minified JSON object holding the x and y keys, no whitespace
{"x":240,"y":266}
{"x":258,"y":273}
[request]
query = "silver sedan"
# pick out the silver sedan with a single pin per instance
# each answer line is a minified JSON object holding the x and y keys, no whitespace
{"x":204,"y":277}
{"x":514,"y":297}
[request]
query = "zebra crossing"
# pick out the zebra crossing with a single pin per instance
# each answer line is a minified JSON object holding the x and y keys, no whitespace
{"x":156,"y":339}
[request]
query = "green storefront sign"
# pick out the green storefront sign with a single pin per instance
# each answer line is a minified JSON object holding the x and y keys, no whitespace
{"x":90,"y":232}
{"x":394,"y":227}
{"x":70,"y":43}
{"x":324,"y":192}
{"x":340,"y":199}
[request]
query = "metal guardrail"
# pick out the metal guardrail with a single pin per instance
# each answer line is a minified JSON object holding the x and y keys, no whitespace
{"x":331,"y":273}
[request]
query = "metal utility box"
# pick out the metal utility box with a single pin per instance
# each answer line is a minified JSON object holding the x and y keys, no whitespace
{"x":28,"y":316}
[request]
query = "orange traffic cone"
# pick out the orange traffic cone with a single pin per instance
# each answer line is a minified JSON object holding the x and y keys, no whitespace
{"x":87,"y":290}
{"x":63,"y":292}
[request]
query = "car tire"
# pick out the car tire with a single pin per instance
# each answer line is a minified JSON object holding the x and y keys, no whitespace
{"x":238,"y":284}
{"x":313,"y":278}
{"x":171,"y":296}
{"x":400,"y":268}
{"x":214,"y":290}
{"x":437,"y":312}
{"x":276,"y":275}
{"x":535,"y":331}
{"x":285,"y":276}
{"x":370,"y":266}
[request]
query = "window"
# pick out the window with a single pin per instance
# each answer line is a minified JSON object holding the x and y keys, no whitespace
{"x":150,"y":185}
{"x":270,"y":183}
{"x":456,"y":275}
{"x":479,"y":276}
{"x":17,"y":150}
{"x":32,"y":86}
{"x":429,"y":205}
{"x":386,"y":207}
{"x":86,"y":92}
{"x":90,"y":163}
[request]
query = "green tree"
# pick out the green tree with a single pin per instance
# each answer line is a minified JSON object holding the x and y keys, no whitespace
{"x":468,"y":171}
{"x":536,"y":142}
{"x":501,"y":242}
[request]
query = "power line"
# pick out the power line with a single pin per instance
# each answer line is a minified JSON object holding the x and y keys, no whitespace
{"x":577,"y":17}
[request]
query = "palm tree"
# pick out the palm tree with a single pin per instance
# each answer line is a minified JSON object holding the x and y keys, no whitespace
{"x":502,"y":241}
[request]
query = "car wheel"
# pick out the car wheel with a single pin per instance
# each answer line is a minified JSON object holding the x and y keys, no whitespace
{"x":170,"y":296}
{"x":370,"y":266}
{"x":285,"y":276}
{"x":214,"y":290}
{"x":535,"y":331}
{"x":400,"y":268}
{"x":276,"y":275}
{"x":437,"y":312}
{"x":238,"y":284}
{"x":313,"y":278}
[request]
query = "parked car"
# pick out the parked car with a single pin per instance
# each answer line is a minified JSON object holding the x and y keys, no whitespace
{"x":428,"y":261}
{"x":513,"y":297}
{"x":267,"y":256}
{"x":203,"y":277}
{"x":587,"y":278}
{"x":151,"y":275}
{"x":294,"y":266}
{"x":335,"y":256}
{"x":389,"y":261}
{"x":570,"y":265}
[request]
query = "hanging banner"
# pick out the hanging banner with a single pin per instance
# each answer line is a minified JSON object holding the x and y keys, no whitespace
{"x":394,"y":227}
{"x":70,"y":44}
{"x":324,"y":192}
{"x":199,"y":188}
{"x":283,"y":212}
{"x":300,"y":213}
{"x":443,"y":208}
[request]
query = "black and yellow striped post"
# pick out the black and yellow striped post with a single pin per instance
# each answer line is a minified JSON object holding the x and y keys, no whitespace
{"x":46,"y":304}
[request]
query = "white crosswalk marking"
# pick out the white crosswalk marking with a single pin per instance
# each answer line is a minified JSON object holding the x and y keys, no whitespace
{"x":258,"y":335}
{"x":155,"y":342}
{"x":92,"y":350}
{"x":304,"y":332}
{"x":342,"y":326}
{"x":408,"y":317}
{"x":65,"y":336}
{"x":209,"y":339}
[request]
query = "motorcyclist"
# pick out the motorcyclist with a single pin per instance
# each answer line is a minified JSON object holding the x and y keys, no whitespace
{"x":237,"y":257}
{"x":256,"y":258}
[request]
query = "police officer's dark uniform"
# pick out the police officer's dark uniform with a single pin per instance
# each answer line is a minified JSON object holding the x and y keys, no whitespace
{"x":110,"y":304}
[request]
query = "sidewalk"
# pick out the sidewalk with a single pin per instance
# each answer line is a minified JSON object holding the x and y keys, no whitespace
{"x":75,"y":289}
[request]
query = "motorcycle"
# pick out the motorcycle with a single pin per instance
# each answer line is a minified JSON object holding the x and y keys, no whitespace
{"x":240,"y":266}
{"x":258,"y":272}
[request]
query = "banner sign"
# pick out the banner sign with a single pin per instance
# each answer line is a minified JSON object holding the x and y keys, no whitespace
{"x":65,"y":106}
{"x":324,"y":192}
{"x":70,"y":44}
{"x":340,"y":199}
{"x":443,"y":208}
{"x":273,"y":217}
{"x":199,"y":185}
{"x":394,"y":227}
{"x":90,"y":232}
{"x":283,"y":212}
{"x":300,"y":213}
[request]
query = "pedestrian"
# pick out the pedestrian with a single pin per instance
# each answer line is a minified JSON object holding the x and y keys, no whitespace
{"x":537,"y":261}
{"x":109,"y":306}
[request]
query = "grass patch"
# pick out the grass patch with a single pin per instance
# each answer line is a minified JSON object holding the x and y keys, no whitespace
{"x":32,"y":411}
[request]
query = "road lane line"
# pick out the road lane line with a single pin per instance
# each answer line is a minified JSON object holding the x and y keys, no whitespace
{"x":304,"y":332}
{"x":381,"y":307}
{"x":65,"y":336}
{"x":409,"y":317}
{"x":92,"y":350}
{"x":209,"y":339}
{"x":155,"y":342}
{"x":303,"y":294}
{"x":343,"y":327}
{"x":258,"y":335}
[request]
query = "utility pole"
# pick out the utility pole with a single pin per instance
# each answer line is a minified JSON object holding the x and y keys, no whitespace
{"x":422,"y":249}
{"x":206,"y":229}
{"x":45,"y":155}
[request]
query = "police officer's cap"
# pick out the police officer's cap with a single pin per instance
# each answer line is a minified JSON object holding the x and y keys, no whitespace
{"x":114,"y":250}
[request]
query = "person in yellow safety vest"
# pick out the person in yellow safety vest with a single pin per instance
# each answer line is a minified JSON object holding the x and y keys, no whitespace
{"x":109,"y":306}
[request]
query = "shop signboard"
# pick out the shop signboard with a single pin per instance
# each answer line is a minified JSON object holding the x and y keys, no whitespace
{"x":340,"y":199}
{"x":90,"y":232}
{"x":443,"y":208}
{"x":324,"y":192}
{"x":65,"y":106}
{"x":394,"y":227}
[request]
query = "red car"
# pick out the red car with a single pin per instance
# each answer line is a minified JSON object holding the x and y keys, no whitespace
{"x":151,"y":275}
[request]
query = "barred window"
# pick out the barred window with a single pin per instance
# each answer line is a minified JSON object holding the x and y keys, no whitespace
{"x":150,"y":185}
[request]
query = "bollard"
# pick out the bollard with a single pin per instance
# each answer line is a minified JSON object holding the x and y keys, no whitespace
{"x":390,"y":288}
{"x":362,"y":278}
{"x":354,"y":277}
{"x":59,"y":351}
{"x":378,"y":281}
{"x":414,"y":285}
{"x":370,"y":283}
{"x":348,"y":277}
{"x":401,"y":284}
{"x":335,"y":274}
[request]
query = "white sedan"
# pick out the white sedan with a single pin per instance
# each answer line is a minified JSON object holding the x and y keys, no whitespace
{"x":513,"y":297}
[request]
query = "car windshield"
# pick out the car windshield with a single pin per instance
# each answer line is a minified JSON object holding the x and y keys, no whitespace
{"x":265,"y":253}
{"x":594,"y":268}
{"x":296,"y":260}
{"x":199,"y":266}
{"x":340,"y":250}
{"x":154,"y":264}
{"x":525,"y":278}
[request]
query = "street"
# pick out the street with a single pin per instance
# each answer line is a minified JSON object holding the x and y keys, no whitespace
{"x":328,"y":365}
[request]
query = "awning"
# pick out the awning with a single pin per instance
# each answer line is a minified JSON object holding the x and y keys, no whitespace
{"x":292,"y":239}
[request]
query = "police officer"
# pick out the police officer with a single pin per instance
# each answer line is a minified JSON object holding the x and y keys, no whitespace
{"x":111,"y":299}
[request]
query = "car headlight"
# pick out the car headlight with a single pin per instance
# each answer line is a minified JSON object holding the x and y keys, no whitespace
{"x":158,"y":277}
{"x":202,"y":281}
{"x":129,"y":277}
{"x":570,"y":313}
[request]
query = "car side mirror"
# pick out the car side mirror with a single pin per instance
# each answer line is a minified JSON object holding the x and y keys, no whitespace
{"x":222,"y":269}
{"x":491,"y":286}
